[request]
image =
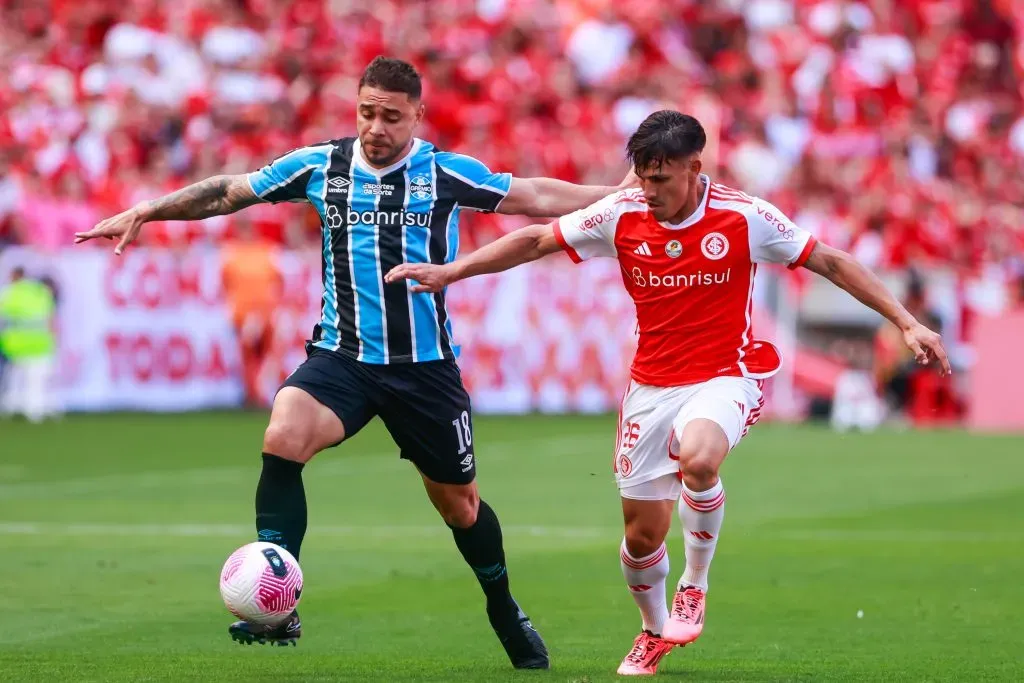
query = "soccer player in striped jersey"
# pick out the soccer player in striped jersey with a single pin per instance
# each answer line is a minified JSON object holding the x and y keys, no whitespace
{"x":384,"y":198}
{"x":688,"y":249}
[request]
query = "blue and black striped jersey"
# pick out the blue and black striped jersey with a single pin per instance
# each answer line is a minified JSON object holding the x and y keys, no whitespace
{"x":374,"y":219}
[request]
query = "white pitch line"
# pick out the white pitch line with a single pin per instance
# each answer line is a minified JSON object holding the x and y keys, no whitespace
{"x":898,"y":535}
{"x":326,"y":466}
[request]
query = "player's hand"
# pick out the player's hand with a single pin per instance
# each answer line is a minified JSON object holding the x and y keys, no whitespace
{"x":927,"y":346}
{"x":429,"y":277}
{"x":125,"y":225}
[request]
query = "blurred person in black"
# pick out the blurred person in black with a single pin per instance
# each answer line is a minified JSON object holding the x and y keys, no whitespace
{"x":895,"y":370}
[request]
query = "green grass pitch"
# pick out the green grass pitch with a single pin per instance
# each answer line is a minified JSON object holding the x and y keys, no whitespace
{"x":114,"y":529}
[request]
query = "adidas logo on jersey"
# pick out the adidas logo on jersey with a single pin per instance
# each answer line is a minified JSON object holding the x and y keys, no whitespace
{"x":643,"y":250}
{"x":338,"y":185}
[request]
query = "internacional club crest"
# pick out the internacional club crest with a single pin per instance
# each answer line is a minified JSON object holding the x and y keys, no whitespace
{"x":714,"y":246}
{"x":420,"y":187}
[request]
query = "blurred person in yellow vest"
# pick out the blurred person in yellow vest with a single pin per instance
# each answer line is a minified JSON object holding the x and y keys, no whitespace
{"x":252,"y":286}
{"x":28,"y":342}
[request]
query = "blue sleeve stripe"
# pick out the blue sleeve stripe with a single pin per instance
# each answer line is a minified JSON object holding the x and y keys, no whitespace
{"x":473,"y":173}
{"x":478,"y":186}
{"x":285,"y":170}
{"x":286,"y":181}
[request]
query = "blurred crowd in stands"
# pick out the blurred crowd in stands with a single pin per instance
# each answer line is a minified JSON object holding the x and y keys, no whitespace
{"x":893,"y":128}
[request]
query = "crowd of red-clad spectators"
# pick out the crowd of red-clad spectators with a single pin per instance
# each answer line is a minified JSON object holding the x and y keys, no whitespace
{"x":894,"y":128}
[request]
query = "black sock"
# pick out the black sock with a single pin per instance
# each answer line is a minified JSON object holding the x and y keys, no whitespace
{"x":281,"y":503}
{"x":481,"y":547}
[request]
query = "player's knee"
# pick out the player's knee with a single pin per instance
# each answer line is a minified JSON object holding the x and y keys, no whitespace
{"x":285,"y":441}
{"x":643,"y":540}
{"x":460,"y":511}
{"x":702,"y":449}
{"x":700,"y":472}
{"x":699,"y":463}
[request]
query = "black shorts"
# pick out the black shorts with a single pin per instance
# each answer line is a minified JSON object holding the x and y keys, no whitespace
{"x":424,"y":406}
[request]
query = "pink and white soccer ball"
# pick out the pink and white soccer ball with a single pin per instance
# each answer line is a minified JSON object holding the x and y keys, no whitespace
{"x":261,"y":583}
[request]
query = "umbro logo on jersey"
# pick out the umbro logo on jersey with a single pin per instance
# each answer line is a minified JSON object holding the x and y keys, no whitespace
{"x":643,"y":250}
{"x":338,"y":185}
{"x":467,"y":463}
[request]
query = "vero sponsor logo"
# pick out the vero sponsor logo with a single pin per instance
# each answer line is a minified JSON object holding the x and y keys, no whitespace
{"x":779,"y":223}
{"x":594,"y":220}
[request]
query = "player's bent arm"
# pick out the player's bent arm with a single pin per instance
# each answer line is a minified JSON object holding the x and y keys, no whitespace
{"x":518,"y":247}
{"x":546,"y":197}
{"x":511,"y":250}
{"x":216,"y":196}
{"x":848,"y":274}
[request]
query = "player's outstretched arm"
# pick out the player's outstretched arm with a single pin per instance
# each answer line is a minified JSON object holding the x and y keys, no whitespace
{"x":847,"y":273}
{"x":546,"y":197}
{"x":516,"y":248}
{"x":216,"y":196}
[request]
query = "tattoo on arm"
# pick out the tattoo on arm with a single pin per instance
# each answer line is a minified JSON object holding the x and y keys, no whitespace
{"x":216,"y":196}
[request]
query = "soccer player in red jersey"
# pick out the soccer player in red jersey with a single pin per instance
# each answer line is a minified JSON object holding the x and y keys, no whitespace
{"x":688,"y":249}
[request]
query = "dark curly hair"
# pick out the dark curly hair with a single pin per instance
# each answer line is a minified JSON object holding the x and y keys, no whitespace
{"x":665,"y":135}
{"x":393,"y":75}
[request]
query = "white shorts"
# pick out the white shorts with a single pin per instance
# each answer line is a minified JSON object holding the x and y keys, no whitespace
{"x":652,"y":418}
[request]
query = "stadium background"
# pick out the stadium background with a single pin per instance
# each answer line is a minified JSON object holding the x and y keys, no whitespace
{"x":894,"y":129}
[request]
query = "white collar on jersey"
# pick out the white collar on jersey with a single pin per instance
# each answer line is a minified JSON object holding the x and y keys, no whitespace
{"x":697,"y":214}
{"x":357,"y":152}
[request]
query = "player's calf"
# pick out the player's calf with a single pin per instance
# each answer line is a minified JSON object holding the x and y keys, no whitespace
{"x":643,"y":556}
{"x":647,"y":524}
{"x":299,"y":427}
{"x":477,"y":535}
{"x":703,"y":446}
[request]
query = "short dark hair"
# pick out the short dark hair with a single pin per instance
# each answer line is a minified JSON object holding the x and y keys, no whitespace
{"x":392,"y":75}
{"x":665,"y":135}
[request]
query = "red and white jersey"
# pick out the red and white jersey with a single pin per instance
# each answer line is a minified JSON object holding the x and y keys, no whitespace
{"x":692,"y":283}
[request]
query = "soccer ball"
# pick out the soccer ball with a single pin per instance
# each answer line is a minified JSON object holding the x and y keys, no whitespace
{"x":261,"y":583}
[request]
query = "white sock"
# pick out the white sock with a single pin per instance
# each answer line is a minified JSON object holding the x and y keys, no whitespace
{"x":645,"y":577}
{"x":701,"y":513}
